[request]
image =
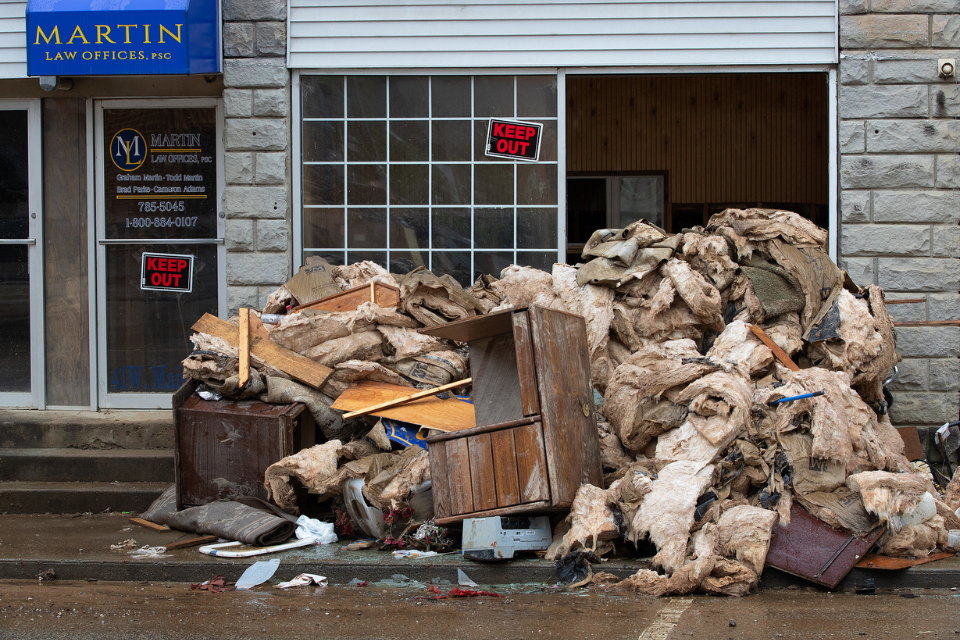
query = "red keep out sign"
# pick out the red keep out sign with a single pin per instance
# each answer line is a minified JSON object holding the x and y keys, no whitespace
{"x":166,"y":272}
{"x":514,"y":139}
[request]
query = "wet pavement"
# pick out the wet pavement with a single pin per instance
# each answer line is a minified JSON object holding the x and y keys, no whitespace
{"x":79,"y":610}
{"x":77,"y":547}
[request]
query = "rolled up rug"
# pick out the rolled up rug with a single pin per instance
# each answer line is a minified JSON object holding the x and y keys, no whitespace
{"x":249,"y":520}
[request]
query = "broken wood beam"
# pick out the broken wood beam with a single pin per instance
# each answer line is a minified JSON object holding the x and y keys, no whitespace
{"x":380,"y":294}
{"x":414,"y":396}
{"x":191,"y":542}
{"x":298,"y":367}
{"x":774,"y":347}
{"x":149,"y":525}
{"x":244,"y":347}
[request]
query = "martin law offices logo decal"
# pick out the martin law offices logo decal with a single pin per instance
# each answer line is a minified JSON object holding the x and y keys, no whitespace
{"x":128,"y":149}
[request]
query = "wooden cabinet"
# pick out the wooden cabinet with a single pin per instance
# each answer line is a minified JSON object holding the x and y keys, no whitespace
{"x":223,"y":448}
{"x":536,"y":439}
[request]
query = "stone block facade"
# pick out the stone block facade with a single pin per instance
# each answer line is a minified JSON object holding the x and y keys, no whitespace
{"x":256,"y":142}
{"x":899,"y":180}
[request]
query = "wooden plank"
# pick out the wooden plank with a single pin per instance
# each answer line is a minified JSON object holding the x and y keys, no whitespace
{"x":192,"y":542}
{"x":65,"y":299}
{"x":295,"y":365}
{"x":482,"y":472}
{"x":526,"y":368}
{"x":458,"y":476}
{"x":379,"y":293}
{"x":496,"y":392}
{"x":149,"y":525}
{"x":531,"y":463}
{"x":244,"y":338}
{"x":905,"y":301}
{"x":490,"y":428}
{"x":432,"y":412}
{"x":396,"y":402}
{"x":874,"y":561}
{"x":442,"y":496}
{"x":774,"y":347}
{"x":505,"y":468}
{"x":569,"y":420}
{"x":526,"y":509}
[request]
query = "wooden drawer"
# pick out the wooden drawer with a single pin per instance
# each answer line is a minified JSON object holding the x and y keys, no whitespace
{"x":499,"y":471}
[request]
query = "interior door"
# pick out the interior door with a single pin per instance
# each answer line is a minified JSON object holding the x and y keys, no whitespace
{"x":21,"y":277}
{"x":160,"y":255}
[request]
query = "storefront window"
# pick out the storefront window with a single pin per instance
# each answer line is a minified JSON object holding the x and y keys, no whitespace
{"x":393,"y":170}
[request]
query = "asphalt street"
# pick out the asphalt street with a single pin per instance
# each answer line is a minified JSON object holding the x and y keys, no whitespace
{"x":78,"y":610}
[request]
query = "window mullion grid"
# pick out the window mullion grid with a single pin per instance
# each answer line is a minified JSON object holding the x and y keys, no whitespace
{"x":387,"y":189}
{"x":473,"y":172}
{"x":346,"y":181}
{"x":430,"y":173}
{"x":516,"y":170}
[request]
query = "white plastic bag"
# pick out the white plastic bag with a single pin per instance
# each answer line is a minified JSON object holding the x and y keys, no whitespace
{"x":321,"y":532}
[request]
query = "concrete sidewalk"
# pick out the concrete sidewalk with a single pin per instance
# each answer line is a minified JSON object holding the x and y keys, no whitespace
{"x":77,"y":547}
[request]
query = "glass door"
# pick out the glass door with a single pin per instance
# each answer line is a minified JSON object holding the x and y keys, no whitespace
{"x":21,"y":276}
{"x":160,"y":254}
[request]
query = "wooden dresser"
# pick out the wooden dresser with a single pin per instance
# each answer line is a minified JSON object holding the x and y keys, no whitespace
{"x":536,"y":438}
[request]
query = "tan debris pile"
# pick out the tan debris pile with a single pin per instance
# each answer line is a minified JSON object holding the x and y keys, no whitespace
{"x":690,"y":395}
{"x":700,"y":457}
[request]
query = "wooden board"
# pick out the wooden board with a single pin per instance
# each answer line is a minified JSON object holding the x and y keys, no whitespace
{"x":390,"y":404}
{"x":432,"y":412}
{"x":774,"y":347}
{"x":482,"y":479}
{"x":505,"y":468}
{"x":442,"y":496}
{"x":298,"y":367}
{"x":244,"y":337}
{"x":458,"y":476}
{"x":149,"y":525}
{"x":190,"y":542}
{"x":497,"y":386}
{"x":531,"y":463}
{"x":569,"y":421}
{"x":525,"y":509}
{"x":873,"y":561}
{"x":381,"y":294}
{"x":526,"y":365}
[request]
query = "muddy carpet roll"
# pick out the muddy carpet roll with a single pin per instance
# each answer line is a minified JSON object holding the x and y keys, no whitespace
{"x":248,"y":520}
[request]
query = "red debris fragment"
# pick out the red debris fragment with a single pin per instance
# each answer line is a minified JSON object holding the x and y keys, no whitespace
{"x":214,"y":585}
{"x":457,"y":592}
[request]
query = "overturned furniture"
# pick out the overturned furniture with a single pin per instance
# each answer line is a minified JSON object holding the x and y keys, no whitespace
{"x":536,"y":439}
{"x":223,"y":447}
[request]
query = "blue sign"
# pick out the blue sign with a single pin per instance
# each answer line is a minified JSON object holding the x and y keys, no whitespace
{"x":122,"y":37}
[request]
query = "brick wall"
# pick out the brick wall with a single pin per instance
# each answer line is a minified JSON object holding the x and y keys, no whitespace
{"x":256,"y":144}
{"x":899,"y":180}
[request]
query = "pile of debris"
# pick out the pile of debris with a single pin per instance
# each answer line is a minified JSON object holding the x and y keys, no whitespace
{"x":740,"y":372}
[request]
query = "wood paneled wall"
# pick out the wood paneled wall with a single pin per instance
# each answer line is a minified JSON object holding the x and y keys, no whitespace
{"x":65,"y":252}
{"x":722,"y":138}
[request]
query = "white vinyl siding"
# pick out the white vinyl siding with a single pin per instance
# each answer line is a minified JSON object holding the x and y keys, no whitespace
{"x":351,"y":34}
{"x":13,"y":43}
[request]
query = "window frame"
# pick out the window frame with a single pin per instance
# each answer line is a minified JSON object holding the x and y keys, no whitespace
{"x":557,"y":249}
